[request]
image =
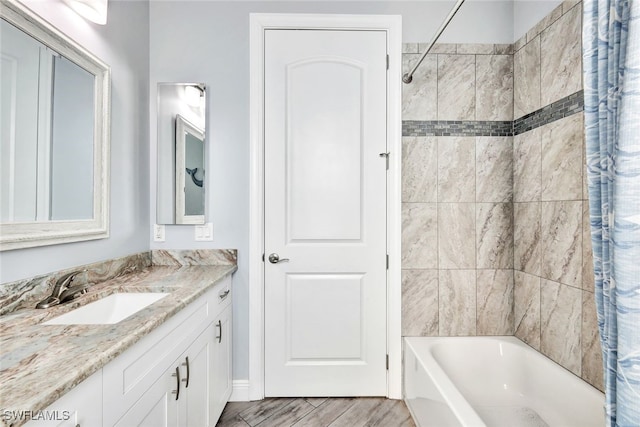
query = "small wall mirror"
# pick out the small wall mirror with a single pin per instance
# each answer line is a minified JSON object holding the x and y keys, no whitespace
{"x":181,"y":153}
{"x":54,"y":135}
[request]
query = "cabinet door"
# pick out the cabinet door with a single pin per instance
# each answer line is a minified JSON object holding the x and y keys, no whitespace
{"x":81,"y":406}
{"x":158,"y":407}
{"x":198,"y":390}
{"x":221,"y":364}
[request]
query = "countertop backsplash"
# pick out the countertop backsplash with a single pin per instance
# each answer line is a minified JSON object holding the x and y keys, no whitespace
{"x":26,"y":293}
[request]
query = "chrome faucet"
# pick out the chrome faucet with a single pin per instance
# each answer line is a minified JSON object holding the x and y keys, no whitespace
{"x":63,"y":292}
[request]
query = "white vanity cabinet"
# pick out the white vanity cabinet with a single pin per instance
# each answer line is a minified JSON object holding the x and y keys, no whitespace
{"x":222,"y":382}
{"x":179,"y":375}
{"x":180,"y":397}
{"x":82,"y":407}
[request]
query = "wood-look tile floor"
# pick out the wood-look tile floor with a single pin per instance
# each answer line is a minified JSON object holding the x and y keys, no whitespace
{"x":317,"y":412}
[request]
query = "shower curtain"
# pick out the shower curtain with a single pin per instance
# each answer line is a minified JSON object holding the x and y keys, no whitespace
{"x":611,"y":57}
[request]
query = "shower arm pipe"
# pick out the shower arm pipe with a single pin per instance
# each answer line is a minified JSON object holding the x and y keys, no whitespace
{"x":408,"y":77}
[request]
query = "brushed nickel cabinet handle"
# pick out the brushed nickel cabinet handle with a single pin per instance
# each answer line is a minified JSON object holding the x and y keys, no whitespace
{"x":186,"y":380}
{"x":219,"y":325}
{"x":177,"y":375}
{"x":224,"y":294}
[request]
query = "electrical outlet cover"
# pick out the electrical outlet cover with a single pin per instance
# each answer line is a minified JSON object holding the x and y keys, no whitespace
{"x":204,"y":232}
{"x":158,"y":232}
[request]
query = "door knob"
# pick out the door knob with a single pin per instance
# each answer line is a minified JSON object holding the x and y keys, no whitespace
{"x":275,"y":258}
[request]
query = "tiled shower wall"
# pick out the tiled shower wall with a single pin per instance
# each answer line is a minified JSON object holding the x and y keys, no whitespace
{"x":457,"y":245}
{"x":554,"y":301}
{"x":495,"y":234}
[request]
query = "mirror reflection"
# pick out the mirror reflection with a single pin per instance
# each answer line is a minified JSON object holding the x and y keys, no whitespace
{"x":46,"y":132}
{"x":181,"y":147}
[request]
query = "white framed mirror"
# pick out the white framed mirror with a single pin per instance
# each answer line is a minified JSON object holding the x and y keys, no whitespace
{"x":181,"y":183}
{"x":54,"y":135}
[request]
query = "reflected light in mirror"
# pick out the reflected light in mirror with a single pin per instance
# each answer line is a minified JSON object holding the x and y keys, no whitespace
{"x":192,"y":95}
{"x":93,"y":10}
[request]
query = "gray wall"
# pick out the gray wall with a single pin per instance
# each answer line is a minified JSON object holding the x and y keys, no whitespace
{"x":124,"y":44}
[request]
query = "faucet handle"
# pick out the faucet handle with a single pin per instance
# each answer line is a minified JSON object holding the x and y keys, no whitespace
{"x":60,"y":289}
{"x":63,"y":282}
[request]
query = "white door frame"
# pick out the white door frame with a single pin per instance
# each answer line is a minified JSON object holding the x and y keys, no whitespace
{"x":393,"y":27}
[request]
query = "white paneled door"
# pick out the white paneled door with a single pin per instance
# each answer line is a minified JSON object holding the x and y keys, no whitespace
{"x":325,"y":212}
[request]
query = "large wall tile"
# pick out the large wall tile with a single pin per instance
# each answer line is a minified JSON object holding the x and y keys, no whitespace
{"x":562,"y":160}
{"x":561,"y":237}
{"x":504,"y":49}
{"x":410,"y":48}
{"x":420,"y":97}
{"x":419,"y":235}
{"x":456,"y":87}
{"x":456,"y":235}
{"x":495,"y":302}
{"x":520,"y":43}
{"x":526,"y":237}
{"x":419,"y":169}
{"x":475,"y":48}
{"x":494,"y":87}
{"x":494,"y":235}
{"x":545,"y":22}
{"x":439,"y":48}
{"x":494,"y":169}
{"x":569,"y":4}
{"x":526,"y":308}
{"x":457,"y":302}
{"x":560,"y":323}
{"x":588,"y":278}
{"x":561,"y":59}
{"x":456,"y":169}
{"x":527,"y":149}
{"x":526,"y":77}
{"x":419,"y":303}
{"x":591,"y":349}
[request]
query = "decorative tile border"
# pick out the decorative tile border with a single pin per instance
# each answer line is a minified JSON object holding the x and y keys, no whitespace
{"x":456,"y":128}
{"x":564,"y":107}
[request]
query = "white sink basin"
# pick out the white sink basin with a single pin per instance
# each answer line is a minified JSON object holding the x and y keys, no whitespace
{"x":108,"y":310}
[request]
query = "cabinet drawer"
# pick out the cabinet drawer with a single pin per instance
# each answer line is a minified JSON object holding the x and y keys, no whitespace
{"x":223,"y":295}
{"x":132,"y":373}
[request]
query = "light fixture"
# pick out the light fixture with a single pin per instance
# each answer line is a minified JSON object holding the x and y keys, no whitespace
{"x":192,"y":95}
{"x":93,"y":10}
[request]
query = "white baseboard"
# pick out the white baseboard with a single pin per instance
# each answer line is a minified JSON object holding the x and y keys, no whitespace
{"x":240,"y":391}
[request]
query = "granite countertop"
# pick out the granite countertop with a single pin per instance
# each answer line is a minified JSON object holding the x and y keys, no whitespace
{"x":39,"y":363}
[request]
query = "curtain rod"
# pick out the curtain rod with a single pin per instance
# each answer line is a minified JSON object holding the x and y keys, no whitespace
{"x":408,"y":77}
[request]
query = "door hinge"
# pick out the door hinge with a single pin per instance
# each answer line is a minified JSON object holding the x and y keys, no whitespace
{"x":387,"y":61}
{"x":387,"y":261}
{"x":386,"y":157}
{"x":387,"y":362}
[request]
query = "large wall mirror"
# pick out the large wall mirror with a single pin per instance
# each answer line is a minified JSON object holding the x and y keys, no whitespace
{"x":54,"y":135}
{"x":181,"y":153}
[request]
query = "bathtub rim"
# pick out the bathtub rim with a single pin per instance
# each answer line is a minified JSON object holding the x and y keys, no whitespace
{"x":448,"y":389}
{"x":459,"y":406}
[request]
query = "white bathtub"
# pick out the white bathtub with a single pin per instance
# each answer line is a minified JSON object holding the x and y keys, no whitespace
{"x":493,"y":382}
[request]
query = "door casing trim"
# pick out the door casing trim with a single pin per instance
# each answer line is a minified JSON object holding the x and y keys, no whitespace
{"x":392,"y":25}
